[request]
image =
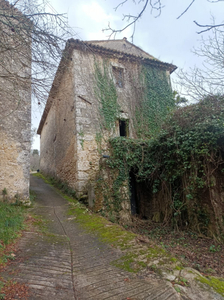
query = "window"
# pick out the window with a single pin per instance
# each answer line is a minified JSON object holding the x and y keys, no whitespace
{"x":119,"y":76}
{"x":123,"y":127}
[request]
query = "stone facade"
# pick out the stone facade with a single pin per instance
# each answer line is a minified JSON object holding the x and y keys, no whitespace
{"x":15,"y":112}
{"x":71,"y":119}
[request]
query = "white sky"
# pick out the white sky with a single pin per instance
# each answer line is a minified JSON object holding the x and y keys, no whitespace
{"x":164,"y":37}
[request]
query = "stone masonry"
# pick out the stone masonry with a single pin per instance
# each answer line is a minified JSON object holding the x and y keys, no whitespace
{"x":15,"y":113}
{"x":70,"y":122}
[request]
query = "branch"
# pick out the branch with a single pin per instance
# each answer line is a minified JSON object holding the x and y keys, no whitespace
{"x":208,"y":27}
{"x":186,"y":9}
{"x":156,"y":6}
{"x":120,"y":4}
{"x":135,"y":19}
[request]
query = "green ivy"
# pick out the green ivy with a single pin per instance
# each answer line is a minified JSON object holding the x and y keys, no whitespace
{"x":155,"y":103}
{"x":183,"y":156}
{"x":105,"y":91}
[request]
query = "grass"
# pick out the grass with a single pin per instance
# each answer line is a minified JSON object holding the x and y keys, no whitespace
{"x":216,"y":283}
{"x":11,"y":222}
{"x":12,"y":219}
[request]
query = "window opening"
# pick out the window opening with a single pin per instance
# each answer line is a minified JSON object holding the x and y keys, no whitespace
{"x":123,"y":128}
{"x":119,"y":76}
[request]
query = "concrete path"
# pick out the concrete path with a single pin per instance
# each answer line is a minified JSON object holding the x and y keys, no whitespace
{"x":68,"y":263}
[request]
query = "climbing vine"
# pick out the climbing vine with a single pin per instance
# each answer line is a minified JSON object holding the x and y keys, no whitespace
{"x":177,"y":158}
{"x":181,"y":165}
{"x":105,"y":92}
{"x":155,"y":102}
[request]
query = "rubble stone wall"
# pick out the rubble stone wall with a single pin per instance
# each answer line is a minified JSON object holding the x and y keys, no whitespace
{"x":15,"y":142}
{"x":69,"y":146}
{"x":15,"y":107}
{"x":58,"y":152}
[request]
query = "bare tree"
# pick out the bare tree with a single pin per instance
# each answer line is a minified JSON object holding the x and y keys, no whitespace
{"x":31,"y":41}
{"x":209,"y":78}
{"x":155,"y":6}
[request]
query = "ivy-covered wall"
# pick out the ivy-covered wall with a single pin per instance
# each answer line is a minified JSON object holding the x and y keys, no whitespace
{"x":178,"y":173}
{"x":146,"y":104}
{"x":146,"y":97}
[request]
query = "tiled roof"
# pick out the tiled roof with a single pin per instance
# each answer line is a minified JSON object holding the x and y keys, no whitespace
{"x":121,"y":49}
{"x":122,"y":46}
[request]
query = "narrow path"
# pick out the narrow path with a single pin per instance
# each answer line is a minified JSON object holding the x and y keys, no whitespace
{"x":68,"y":263}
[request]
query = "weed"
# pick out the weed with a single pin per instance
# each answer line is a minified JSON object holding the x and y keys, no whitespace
{"x":32,"y":196}
{"x":182,"y":281}
{"x":4,"y":194}
{"x":177,"y":288}
{"x":17,"y":200}
{"x":213,"y":248}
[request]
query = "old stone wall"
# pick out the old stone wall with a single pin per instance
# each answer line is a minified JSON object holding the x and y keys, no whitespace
{"x":15,"y":127}
{"x":58,"y":152}
{"x":88,"y":117}
{"x":15,"y":109}
{"x":70,"y":145}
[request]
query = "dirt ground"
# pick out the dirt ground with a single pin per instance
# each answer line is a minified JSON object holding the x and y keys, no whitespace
{"x":197,"y":251}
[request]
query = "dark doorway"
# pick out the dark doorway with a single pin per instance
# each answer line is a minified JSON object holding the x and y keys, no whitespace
{"x":123,"y":127}
{"x":142,"y":202}
{"x":133,"y":190}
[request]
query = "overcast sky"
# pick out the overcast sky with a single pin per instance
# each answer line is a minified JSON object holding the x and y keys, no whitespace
{"x":165,"y":37}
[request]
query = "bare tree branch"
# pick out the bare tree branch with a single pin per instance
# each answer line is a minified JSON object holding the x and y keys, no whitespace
{"x":156,"y":6}
{"x":207,"y":79}
{"x":208,"y":27}
{"x":186,"y":9}
{"x":120,"y":4}
{"x":23,"y":22}
{"x":128,"y":17}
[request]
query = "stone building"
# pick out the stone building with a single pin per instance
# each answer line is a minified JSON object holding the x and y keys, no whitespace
{"x":15,"y":106}
{"x":93,"y":97}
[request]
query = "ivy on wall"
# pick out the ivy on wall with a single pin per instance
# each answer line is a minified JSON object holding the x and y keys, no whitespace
{"x":181,"y":163}
{"x":155,"y":103}
{"x":179,"y":153}
{"x":105,"y":92}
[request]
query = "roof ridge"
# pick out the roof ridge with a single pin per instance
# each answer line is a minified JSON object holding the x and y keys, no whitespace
{"x":103,"y":42}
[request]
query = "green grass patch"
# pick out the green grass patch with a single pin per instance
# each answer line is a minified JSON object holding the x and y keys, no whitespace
{"x":216,"y":283}
{"x":11,"y":222}
{"x":112,"y":234}
{"x":127,"y":263}
{"x":39,"y":175}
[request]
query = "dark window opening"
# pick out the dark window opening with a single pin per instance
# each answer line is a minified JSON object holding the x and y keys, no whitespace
{"x":123,"y":128}
{"x":119,"y":76}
